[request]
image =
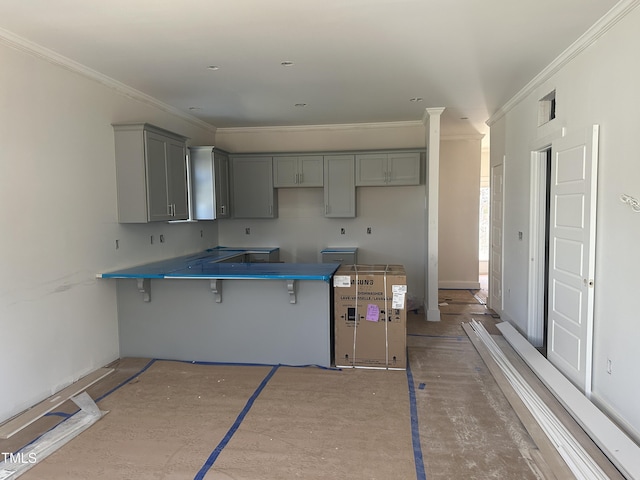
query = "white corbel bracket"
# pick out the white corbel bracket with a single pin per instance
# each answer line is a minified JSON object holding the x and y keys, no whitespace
{"x":216,"y":288}
{"x":291,"y":288}
{"x":144,"y":287}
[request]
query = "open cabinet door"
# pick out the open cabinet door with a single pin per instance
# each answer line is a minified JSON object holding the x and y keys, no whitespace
{"x":572,"y":229}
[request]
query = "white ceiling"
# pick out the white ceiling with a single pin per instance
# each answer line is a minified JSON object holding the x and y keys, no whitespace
{"x":355,"y":61}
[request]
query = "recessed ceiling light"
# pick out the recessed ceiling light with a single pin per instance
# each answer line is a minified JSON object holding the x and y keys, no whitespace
{"x":213,"y":67}
{"x":300,"y":105}
{"x":286,"y":63}
{"x":195,"y":108}
{"x":415,"y":99}
{"x":464,"y":118}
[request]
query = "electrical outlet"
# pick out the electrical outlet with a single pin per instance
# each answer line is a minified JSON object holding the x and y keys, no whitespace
{"x":161,"y":238}
{"x":247,"y":231}
{"x":342,"y":231}
{"x":201,"y":233}
{"x":368,"y":230}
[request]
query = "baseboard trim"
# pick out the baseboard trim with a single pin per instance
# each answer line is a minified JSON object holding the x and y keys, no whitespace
{"x":459,"y":285}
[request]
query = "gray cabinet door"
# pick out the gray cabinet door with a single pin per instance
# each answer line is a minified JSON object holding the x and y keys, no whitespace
{"x":151,"y":174}
{"x":210,"y":183}
{"x":252,"y":182}
{"x":177,"y":179}
{"x":158,"y":203}
{"x":285,"y":172}
{"x":388,"y":168}
{"x":221,"y":166}
{"x":297,"y":171}
{"x":310,"y":171}
{"x":403,"y":168}
{"x":371,"y":169}
{"x":339,"y":186}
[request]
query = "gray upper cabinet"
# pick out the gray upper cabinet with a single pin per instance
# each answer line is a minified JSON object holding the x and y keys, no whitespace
{"x":339,"y":186}
{"x":298,"y":171}
{"x":388,"y":168}
{"x":252,"y":185}
{"x":151,"y":174}
{"x":210,"y":183}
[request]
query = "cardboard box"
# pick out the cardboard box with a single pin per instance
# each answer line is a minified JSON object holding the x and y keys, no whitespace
{"x":370,"y":316}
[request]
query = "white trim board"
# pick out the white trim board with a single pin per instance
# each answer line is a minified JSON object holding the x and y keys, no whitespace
{"x":25,"y":419}
{"x":458,"y":285}
{"x":617,"y":445}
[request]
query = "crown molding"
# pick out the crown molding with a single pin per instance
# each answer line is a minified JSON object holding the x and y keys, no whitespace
{"x":329,"y":127}
{"x":597,"y":30}
{"x":14,"y":41}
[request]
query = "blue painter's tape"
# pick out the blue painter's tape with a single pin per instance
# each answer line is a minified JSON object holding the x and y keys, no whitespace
{"x":223,"y":443}
{"x":237,"y":364}
{"x":67,"y":416}
{"x":144,"y":369}
{"x":59,"y":414}
{"x":415,"y":428}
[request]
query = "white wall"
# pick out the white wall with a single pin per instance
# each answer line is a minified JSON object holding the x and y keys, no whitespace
{"x":459,"y":210}
{"x":58,"y":191}
{"x":599,"y":86}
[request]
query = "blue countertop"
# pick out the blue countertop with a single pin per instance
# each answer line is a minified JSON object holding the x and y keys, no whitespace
{"x":340,"y":250}
{"x":206,"y":265}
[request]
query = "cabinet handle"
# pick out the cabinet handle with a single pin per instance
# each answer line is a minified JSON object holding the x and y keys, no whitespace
{"x":301,"y":175}
{"x":326,"y":209}
{"x":169,"y":210}
{"x":270,"y":209}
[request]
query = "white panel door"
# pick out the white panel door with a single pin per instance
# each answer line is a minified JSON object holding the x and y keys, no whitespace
{"x":495,"y":261}
{"x":572,"y":255}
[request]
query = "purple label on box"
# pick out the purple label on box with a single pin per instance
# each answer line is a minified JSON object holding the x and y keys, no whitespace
{"x":373,"y":312}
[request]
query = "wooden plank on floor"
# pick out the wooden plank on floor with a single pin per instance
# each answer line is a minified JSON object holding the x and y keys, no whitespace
{"x":553,"y":460}
{"x":621,"y":450}
{"x":29,"y":416}
{"x":558,"y":410}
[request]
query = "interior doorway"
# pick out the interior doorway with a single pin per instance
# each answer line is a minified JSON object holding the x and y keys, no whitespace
{"x":539,"y":247}
{"x":562,"y":252}
{"x":484,"y":224}
{"x":545,"y":195}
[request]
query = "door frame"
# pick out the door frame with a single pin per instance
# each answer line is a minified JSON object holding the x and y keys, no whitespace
{"x":496,"y":303}
{"x":537,"y":233}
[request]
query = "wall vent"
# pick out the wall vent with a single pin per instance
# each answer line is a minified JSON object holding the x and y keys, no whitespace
{"x":547,"y":108}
